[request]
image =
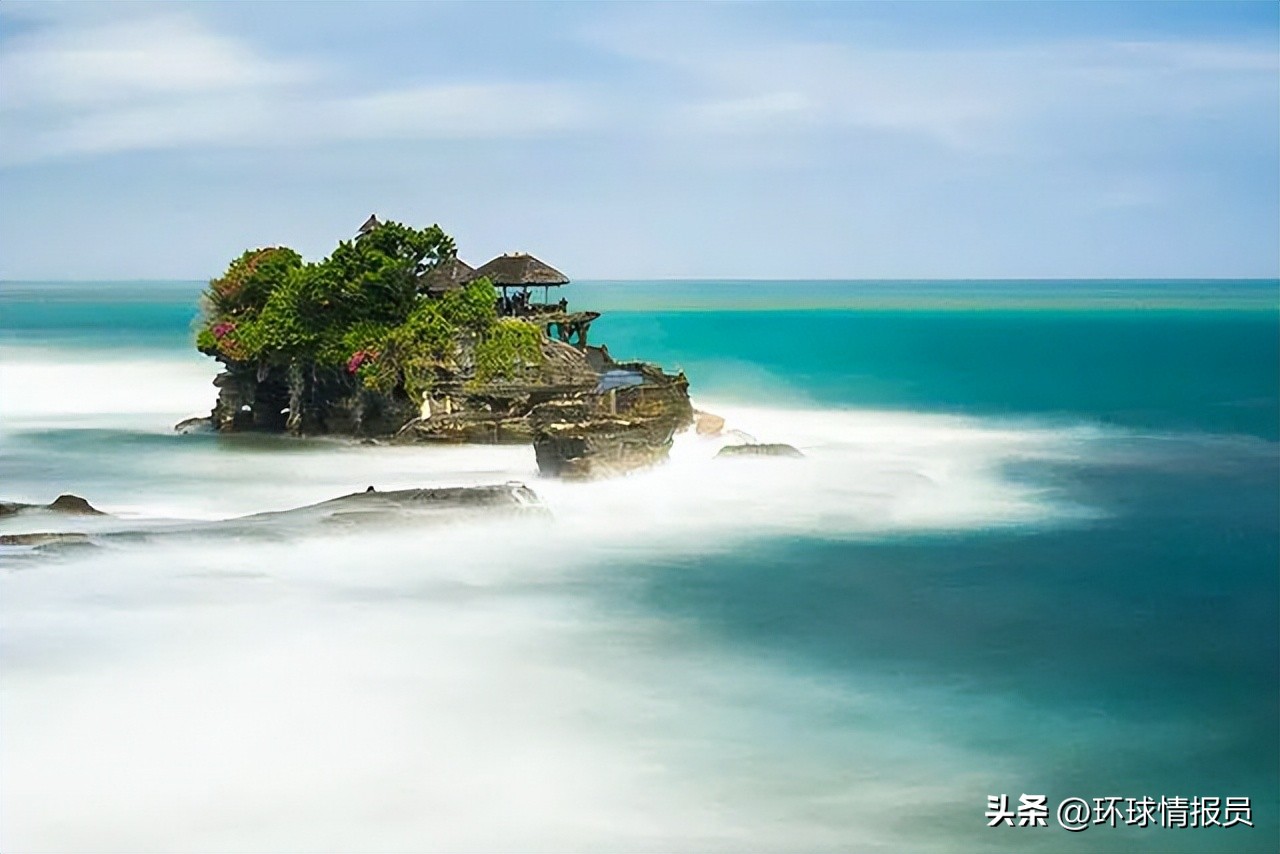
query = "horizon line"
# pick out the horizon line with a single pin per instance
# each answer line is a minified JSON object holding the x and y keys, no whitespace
{"x":725,"y":279}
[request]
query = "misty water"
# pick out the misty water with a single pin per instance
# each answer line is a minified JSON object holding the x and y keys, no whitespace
{"x":1032,"y":547}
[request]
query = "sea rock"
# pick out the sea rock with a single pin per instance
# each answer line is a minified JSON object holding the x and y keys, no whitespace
{"x":707,"y":424}
{"x":571,"y":443}
{"x":759,"y":449}
{"x":374,"y":506}
{"x":586,"y":414}
{"x":72,"y":505}
{"x":199,"y":424}
{"x":356,"y":512}
{"x":617,"y":429}
{"x":632,"y":404}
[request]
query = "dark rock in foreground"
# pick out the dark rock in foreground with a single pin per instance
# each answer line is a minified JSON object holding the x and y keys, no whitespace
{"x":43,"y":538}
{"x":764,"y":449}
{"x":72,"y":505}
{"x":363,"y":509}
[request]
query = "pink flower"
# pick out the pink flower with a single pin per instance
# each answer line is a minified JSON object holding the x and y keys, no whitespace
{"x":358,"y":358}
{"x":221,"y":330}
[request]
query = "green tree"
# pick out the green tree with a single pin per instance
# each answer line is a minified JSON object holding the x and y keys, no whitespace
{"x":361,"y":307}
{"x":250,"y":280}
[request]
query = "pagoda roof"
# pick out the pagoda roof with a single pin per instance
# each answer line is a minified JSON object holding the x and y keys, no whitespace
{"x":519,"y":268}
{"x":449,"y":275}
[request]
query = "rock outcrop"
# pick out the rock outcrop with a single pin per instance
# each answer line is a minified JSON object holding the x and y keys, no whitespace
{"x":586,"y":415}
{"x":620,"y":426}
{"x":357,"y":510}
{"x":372,"y":506}
{"x":71,"y":505}
{"x":499,"y":412}
{"x":391,"y":336}
{"x":198,"y":424}
{"x":707,"y":424}
{"x":304,"y":401}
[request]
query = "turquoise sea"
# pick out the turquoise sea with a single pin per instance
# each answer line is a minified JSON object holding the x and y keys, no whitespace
{"x":1034,"y":548}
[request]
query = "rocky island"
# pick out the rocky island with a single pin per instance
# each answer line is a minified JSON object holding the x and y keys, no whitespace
{"x":393,"y":337}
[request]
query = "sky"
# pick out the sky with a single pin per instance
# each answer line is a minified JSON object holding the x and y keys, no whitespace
{"x":656,"y":140}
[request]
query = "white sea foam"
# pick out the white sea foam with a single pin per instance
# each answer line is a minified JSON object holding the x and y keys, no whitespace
{"x":61,"y":386}
{"x":356,"y":695}
{"x":472,"y":687}
{"x":865,"y":471}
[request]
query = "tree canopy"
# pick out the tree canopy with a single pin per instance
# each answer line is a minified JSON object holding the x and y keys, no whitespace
{"x":362,"y":309}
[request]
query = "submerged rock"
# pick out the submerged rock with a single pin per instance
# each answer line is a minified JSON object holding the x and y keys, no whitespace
{"x":760,"y":449}
{"x":359,"y":509}
{"x":43,"y":538}
{"x":371,"y":503}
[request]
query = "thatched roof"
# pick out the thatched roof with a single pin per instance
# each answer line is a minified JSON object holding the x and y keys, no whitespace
{"x":517,"y":269}
{"x":448,"y":275}
{"x":369,"y":224}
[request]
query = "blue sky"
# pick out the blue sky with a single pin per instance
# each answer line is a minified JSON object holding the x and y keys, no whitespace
{"x":654,"y":140}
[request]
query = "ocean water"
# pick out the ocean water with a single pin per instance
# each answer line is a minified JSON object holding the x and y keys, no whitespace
{"x":1033,"y":548}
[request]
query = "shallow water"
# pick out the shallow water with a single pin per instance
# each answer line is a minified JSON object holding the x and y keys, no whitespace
{"x":1027,"y":551}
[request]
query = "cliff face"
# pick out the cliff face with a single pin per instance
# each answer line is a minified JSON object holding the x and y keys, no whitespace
{"x":461,"y":410}
{"x":584,"y":421}
{"x":304,"y":400}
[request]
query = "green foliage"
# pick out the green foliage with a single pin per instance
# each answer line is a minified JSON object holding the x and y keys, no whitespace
{"x":361,"y":308}
{"x":250,"y":280}
{"x":472,"y":307}
{"x":509,"y":346}
{"x":415,"y":349}
{"x":365,"y":336}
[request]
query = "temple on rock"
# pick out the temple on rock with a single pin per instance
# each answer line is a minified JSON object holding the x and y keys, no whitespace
{"x":394,"y":337}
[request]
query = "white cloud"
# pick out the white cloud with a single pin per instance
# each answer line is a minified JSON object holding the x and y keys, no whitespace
{"x":829,"y":86}
{"x":79,"y":85}
{"x":762,"y":110}
{"x":123,"y":61}
{"x":461,"y":111}
{"x":168,"y":82}
{"x":982,"y":98}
